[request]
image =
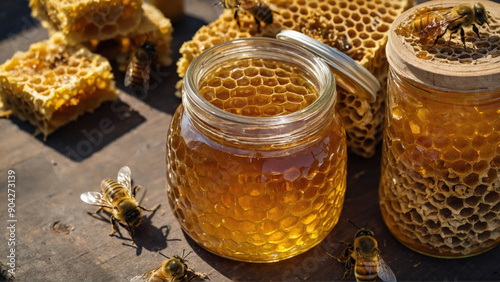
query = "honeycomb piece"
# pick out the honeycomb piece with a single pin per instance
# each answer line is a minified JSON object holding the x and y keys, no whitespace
{"x":440,"y":186}
{"x":257,"y":87}
{"x":154,"y":27}
{"x":83,"y":20}
{"x":450,"y":49}
{"x":357,"y":28}
{"x":53,"y":83}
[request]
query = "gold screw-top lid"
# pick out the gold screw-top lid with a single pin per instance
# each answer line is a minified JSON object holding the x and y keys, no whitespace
{"x":446,"y":65}
{"x":348,"y":72}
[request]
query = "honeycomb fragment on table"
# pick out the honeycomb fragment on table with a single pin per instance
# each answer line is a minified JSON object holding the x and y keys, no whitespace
{"x":53,"y":83}
{"x":359,"y":29}
{"x":83,"y":20}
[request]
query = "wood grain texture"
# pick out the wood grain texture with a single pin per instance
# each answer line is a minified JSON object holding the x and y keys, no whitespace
{"x":51,"y":175}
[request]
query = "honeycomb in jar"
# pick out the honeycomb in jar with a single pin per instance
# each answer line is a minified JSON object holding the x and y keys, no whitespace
{"x":83,"y":20}
{"x":359,"y":28}
{"x":154,"y":27}
{"x":450,"y":49}
{"x":266,"y":203}
{"x":258,"y":87}
{"x":53,"y":83}
{"x":440,"y":187}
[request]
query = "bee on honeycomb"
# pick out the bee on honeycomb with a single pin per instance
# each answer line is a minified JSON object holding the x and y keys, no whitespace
{"x":154,"y":27}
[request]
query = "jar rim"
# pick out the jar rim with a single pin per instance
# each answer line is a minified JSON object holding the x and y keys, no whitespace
{"x":278,"y":126}
{"x":339,"y":61}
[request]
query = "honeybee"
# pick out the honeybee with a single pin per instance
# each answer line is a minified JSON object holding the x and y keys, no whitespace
{"x":139,"y":66}
{"x":437,"y":22}
{"x":363,"y":256}
{"x":260,"y":11}
{"x":118,"y":199}
{"x":173,"y":269}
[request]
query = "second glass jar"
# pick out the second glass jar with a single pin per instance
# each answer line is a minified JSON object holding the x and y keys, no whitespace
{"x":440,"y":187}
{"x":267,"y":186}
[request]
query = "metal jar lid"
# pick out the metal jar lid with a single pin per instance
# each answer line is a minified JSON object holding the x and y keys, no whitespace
{"x":347,"y":70}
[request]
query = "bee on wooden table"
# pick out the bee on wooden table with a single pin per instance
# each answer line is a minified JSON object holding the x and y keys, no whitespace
{"x":260,"y":11}
{"x":363,"y":257}
{"x":139,"y":66}
{"x":438,"y":22}
{"x":173,"y":269}
{"x":118,"y":199}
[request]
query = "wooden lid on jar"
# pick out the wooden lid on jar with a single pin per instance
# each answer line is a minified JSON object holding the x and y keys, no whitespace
{"x":446,"y":66}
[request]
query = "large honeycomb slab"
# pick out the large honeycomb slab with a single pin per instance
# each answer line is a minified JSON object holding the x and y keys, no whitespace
{"x":53,"y":83}
{"x":83,"y":20}
{"x":154,"y":27}
{"x":359,"y":29}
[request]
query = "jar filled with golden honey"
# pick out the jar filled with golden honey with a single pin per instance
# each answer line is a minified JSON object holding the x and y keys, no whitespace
{"x":256,"y":153}
{"x":440,"y":187}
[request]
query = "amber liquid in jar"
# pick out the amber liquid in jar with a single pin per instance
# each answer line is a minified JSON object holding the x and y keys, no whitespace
{"x":257,"y":202}
{"x":439,"y":190}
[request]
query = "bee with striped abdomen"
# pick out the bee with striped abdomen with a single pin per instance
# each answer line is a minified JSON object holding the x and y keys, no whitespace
{"x":438,"y":21}
{"x":118,"y":199}
{"x":363,"y":257}
{"x":139,"y":66}
{"x":260,"y":11}
{"x":173,"y":269}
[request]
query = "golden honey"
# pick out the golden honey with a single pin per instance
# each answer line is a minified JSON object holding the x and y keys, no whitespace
{"x":439,"y":189}
{"x":256,"y":154}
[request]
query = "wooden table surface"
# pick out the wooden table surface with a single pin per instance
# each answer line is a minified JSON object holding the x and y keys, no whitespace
{"x":57,"y":240}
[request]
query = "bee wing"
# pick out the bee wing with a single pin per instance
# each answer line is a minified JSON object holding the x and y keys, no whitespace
{"x":129,"y":73}
{"x":138,"y":278}
{"x":148,"y":276}
{"x":124,"y":178}
{"x":446,"y":18}
{"x":95,"y":198}
{"x":384,"y":271}
{"x":145,"y":76}
{"x":193,"y":275}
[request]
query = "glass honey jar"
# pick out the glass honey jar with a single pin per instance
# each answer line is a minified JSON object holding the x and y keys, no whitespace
{"x":439,"y":188}
{"x":256,"y":153}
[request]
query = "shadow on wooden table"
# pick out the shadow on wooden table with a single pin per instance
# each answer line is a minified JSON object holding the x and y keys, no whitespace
{"x":89,"y":134}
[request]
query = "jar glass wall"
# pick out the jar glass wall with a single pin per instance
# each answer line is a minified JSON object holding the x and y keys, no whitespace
{"x":440,"y":186}
{"x":439,"y":189}
{"x":259,"y":188}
